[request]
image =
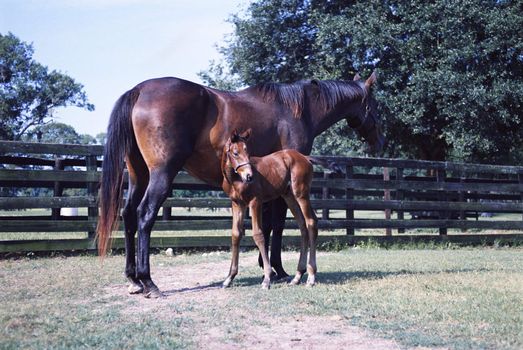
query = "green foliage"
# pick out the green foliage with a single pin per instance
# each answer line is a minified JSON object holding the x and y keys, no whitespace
{"x":58,"y":133}
{"x":29,"y":91}
{"x":450,"y":73}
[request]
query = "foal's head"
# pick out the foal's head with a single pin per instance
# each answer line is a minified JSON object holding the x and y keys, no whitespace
{"x":237,"y":156}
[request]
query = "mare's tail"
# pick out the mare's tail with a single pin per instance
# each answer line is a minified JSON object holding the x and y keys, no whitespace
{"x":326,"y":164}
{"x":120,"y":138}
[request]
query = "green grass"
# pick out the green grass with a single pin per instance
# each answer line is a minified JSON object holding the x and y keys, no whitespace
{"x":456,"y":298}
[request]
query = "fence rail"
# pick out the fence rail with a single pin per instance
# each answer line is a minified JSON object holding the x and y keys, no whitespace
{"x":38,"y":181}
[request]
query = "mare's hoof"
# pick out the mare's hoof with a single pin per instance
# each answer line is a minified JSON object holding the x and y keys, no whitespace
{"x":134,"y":288}
{"x":153,"y":294}
{"x":280,"y":277}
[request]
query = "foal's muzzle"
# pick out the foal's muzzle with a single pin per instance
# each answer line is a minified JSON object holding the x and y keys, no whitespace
{"x":245,"y":172}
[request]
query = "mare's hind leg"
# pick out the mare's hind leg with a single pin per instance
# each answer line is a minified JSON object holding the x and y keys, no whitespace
{"x":138,"y":178}
{"x":302,"y":262}
{"x":160,"y":182}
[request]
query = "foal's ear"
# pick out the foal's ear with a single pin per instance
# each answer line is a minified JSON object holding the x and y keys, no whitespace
{"x":357,"y":77}
{"x":371,"y":80}
{"x":235,"y":136}
{"x":246,"y":134}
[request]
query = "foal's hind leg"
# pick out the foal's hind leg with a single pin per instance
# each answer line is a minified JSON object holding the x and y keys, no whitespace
{"x":138,"y":178}
{"x":311,"y":221}
{"x":302,"y":262}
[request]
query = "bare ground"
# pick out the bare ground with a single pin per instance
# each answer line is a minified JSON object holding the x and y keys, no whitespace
{"x":199,"y":285}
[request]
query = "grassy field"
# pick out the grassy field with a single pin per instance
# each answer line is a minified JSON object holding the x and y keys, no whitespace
{"x":458,"y":299}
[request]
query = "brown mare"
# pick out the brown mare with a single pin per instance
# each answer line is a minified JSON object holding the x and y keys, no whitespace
{"x":252,"y":181}
{"x":163,"y":125}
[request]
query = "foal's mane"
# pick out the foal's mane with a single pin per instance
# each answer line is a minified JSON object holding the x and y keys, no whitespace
{"x":293,"y":96}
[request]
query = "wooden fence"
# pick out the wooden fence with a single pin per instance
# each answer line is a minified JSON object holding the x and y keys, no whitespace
{"x":416,"y":199}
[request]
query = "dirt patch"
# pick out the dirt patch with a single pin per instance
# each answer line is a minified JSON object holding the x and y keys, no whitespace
{"x":299,"y":333}
{"x":189,"y":289}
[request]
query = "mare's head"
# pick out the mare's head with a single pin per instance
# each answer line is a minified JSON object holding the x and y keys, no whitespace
{"x":365,"y":120}
{"x":237,"y":156}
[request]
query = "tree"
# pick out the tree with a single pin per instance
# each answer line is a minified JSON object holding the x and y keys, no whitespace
{"x":450,"y":72}
{"x":58,"y":133}
{"x":29,"y":91}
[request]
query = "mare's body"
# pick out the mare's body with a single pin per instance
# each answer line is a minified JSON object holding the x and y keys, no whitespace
{"x":163,"y":125}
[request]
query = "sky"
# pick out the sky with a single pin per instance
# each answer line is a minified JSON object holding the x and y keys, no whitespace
{"x":109,"y":46}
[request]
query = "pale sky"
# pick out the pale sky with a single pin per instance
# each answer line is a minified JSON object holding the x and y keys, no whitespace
{"x":109,"y":46}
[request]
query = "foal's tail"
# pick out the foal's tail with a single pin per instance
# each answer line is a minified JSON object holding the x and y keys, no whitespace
{"x":120,"y":138}
{"x":326,"y":164}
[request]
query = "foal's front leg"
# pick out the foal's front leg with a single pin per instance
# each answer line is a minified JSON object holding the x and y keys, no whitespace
{"x":257,"y":235}
{"x":238,"y":213}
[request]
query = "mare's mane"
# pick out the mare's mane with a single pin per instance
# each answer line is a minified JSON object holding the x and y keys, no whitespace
{"x":293,"y":96}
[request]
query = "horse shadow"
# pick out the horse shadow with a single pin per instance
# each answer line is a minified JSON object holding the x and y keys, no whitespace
{"x":199,"y":288}
{"x":341,"y":277}
{"x":326,"y":278}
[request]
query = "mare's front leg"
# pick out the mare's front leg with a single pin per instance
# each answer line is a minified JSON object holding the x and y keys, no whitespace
{"x":274,"y":216}
{"x":257,"y":235}
{"x":238,"y":214}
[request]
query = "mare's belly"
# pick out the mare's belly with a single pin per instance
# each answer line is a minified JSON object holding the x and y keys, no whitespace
{"x":205,"y":167}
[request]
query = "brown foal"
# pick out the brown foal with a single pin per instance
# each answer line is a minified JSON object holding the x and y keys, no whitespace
{"x":251,"y":181}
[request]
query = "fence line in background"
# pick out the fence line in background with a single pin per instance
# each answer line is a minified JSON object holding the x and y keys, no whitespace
{"x":374,"y":193}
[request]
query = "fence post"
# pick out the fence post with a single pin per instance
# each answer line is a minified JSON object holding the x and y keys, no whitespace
{"x":58,"y":188}
{"x":520,"y":180}
{"x":386,"y":197}
{"x":325,"y":195}
{"x":166,"y":210}
{"x":440,"y":177}
{"x":92,"y":211}
{"x":349,"y":195}
{"x":461,"y":198}
{"x":400,"y":196}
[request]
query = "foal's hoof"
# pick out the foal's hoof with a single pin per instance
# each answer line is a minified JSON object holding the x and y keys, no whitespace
{"x":154,"y":293}
{"x":265,"y":286}
{"x":227,"y":283}
{"x":311,"y":281}
{"x":295,"y":281}
{"x":134,"y":288}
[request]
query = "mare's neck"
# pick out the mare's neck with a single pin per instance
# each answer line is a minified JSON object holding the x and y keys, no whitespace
{"x":322,"y":120}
